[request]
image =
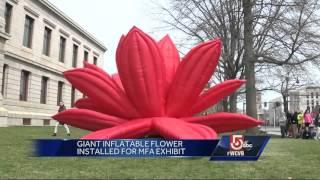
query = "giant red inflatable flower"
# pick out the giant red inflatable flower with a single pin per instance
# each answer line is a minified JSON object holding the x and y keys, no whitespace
{"x":154,"y":93}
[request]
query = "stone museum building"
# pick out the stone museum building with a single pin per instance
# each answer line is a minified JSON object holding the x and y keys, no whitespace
{"x":303,"y":97}
{"x":38,"y":43}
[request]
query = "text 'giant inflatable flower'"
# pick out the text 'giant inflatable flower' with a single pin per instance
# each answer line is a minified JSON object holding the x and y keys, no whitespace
{"x":154,"y":93}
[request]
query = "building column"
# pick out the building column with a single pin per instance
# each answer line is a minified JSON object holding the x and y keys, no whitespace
{"x":2,"y":9}
{"x":3,"y":38}
{"x":3,"y":111}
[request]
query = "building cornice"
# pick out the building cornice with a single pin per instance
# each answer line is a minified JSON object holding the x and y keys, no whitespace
{"x":64,"y":32}
{"x":96,"y":54}
{"x":76,"y":40}
{"x":72,"y":23}
{"x":31,"y":62}
{"x":29,"y":10}
{"x":14,"y":1}
{"x":4,"y":35}
{"x":87,"y":47}
{"x":49,"y":23}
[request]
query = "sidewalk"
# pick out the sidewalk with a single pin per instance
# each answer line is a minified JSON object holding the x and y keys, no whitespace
{"x":271,"y":130}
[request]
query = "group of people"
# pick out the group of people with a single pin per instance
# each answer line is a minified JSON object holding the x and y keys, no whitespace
{"x":304,"y":125}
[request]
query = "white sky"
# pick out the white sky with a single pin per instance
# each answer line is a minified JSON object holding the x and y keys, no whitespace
{"x":107,"y":20}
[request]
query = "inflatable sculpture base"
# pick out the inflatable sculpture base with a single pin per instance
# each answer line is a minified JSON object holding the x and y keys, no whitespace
{"x":154,"y":93}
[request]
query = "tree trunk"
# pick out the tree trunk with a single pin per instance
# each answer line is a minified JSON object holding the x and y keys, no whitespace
{"x":233,"y":102}
{"x":249,"y":59}
{"x":285,"y":103}
{"x":225,"y":104}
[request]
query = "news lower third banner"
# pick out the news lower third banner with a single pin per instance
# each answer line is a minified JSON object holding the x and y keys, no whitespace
{"x":228,"y":148}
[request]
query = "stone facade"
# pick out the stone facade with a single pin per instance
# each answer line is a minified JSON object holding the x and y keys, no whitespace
{"x":274,"y":112}
{"x":16,"y":57}
{"x":301,"y":98}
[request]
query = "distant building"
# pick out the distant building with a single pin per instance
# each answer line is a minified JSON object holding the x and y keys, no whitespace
{"x":298,"y":100}
{"x":301,"y":98}
{"x":37,"y":43}
{"x":275,"y":109}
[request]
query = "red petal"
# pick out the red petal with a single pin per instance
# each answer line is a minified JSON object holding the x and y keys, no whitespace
{"x":215,"y":94}
{"x":119,"y":48}
{"x":140,"y":66}
{"x":131,"y":129}
{"x":225,"y":122}
{"x":171,"y":128}
{"x":170,"y":57}
{"x":87,"y":119}
{"x":87,"y":103}
{"x":117,"y":80}
{"x":191,"y":77}
{"x":95,"y":68}
{"x":103,"y":91}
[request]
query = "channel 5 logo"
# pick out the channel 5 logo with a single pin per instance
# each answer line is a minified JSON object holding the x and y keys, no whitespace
{"x":236,"y":142}
{"x":238,"y":146}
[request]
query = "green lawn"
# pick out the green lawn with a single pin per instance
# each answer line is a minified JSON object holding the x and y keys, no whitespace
{"x":282,"y":158}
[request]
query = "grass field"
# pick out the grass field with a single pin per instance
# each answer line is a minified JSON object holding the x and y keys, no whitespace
{"x":282,"y":159}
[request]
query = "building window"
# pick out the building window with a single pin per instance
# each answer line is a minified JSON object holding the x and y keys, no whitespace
{"x":73,"y":96}
{"x":307,"y":102}
{"x":26,"y":121}
{"x":28,"y":28}
{"x":312,"y":102}
{"x":46,"y":122}
{"x":85,"y":55}
{"x":4,"y":79}
{"x":44,"y":89}
{"x":95,"y":60}
{"x":24,"y":85}
{"x":62,"y":49}
{"x":7,"y":16}
{"x":317,"y":95}
{"x":85,"y":58}
{"x":317,"y":103}
{"x":46,"y":41}
{"x":74,"y":56}
{"x":60,"y":92}
{"x":311,"y":95}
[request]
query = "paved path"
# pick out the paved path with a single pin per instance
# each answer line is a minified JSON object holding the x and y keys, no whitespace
{"x":271,"y":130}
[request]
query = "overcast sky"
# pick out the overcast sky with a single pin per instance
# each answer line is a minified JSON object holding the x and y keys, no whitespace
{"x":107,"y":20}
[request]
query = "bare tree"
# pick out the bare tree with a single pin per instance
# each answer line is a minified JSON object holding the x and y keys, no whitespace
{"x":283,"y":79}
{"x":204,"y":20}
{"x":294,"y":36}
{"x":249,"y":59}
{"x":279,"y":32}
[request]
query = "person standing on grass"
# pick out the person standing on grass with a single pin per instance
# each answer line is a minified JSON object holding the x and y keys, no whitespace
{"x":288,"y":124}
{"x":282,"y":123}
{"x":317,"y":125}
{"x":300,"y":121}
{"x":62,"y":107}
{"x":307,"y":118}
{"x":307,"y":121}
{"x":294,"y":122}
